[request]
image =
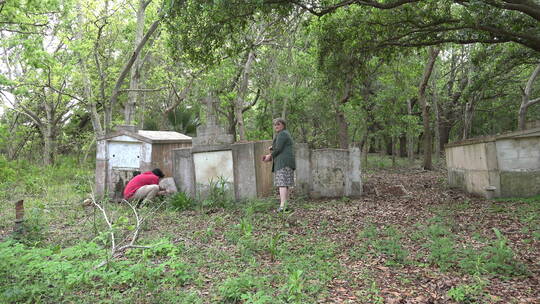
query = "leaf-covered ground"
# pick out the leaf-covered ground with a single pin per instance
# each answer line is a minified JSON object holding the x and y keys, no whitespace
{"x":408,"y":239}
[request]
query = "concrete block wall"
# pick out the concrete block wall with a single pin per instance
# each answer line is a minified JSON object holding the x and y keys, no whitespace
{"x":335,"y":173}
{"x":508,"y":165}
{"x":252,"y":177}
{"x":471,"y":167}
{"x":184,"y":171}
{"x":319,"y":173}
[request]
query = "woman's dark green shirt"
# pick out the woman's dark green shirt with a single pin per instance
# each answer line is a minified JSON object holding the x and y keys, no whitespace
{"x":283,"y":151}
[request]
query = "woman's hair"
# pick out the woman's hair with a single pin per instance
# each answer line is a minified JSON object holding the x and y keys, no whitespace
{"x":281,"y":121}
{"x":158,"y":172}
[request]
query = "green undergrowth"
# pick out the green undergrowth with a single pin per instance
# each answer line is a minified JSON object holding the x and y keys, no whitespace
{"x":55,"y":275}
{"x":213,"y":250}
{"x":524,"y":210}
{"x":446,"y":250}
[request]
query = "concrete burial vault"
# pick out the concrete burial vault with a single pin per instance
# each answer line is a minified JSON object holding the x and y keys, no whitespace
{"x":319,"y":173}
{"x":126,"y":150}
{"x":506,"y":165}
{"x":212,"y":158}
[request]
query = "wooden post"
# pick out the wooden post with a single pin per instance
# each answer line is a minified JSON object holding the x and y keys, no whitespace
{"x":19,"y":216}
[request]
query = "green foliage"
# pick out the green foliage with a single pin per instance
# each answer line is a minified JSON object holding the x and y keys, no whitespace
{"x":385,"y":241}
{"x":243,"y":287}
{"x":497,"y":259}
{"x":219,"y":194}
{"x":181,"y":201}
{"x":8,"y":174}
{"x":273,"y":245}
{"x":54,"y":275}
{"x":468,"y":293}
{"x":295,"y":286}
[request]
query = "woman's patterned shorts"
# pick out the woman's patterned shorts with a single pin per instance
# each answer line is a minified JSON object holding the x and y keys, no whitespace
{"x":284,"y":177}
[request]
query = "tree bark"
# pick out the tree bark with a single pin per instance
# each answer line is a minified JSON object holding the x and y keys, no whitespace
{"x":135,"y":73}
{"x":402,"y":145}
{"x":242,"y":92}
{"x":343,"y":128}
{"x":432,"y":56}
{"x":410,"y":135}
{"x":343,"y":133}
{"x":526,"y":101}
{"x":125,"y":70}
{"x":437,"y":121}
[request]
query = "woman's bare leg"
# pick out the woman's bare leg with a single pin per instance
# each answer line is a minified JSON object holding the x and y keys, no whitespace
{"x":283,"y":196}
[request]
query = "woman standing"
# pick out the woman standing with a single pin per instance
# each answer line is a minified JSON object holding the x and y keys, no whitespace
{"x":283,"y":163}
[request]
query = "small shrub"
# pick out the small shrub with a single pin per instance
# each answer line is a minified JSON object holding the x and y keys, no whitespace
{"x":273,"y":245}
{"x":442,"y":252}
{"x":181,"y":201}
{"x":219,"y":194}
{"x":295,"y":286}
{"x":467,"y":293}
{"x":233,"y":290}
{"x":497,"y":259}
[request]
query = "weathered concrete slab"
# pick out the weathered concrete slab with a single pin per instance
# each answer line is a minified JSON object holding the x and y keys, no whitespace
{"x":329,"y":172}
{"x":303,"y":169}
{"x":520,"y":184}
{"x":184,"y":171}
{"x":213,"y":166}
{"x":498,"y":166}
{"x":245,"y":181}
{"x":353,"y":184}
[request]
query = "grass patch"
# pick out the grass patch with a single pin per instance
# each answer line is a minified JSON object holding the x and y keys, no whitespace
{"x":385,"y":241}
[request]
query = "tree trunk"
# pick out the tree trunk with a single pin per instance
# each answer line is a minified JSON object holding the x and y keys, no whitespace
{"x":433,"y":53}
{"x":402,"y":146}
{"x":437,"y":122}
{"x":394,"y":150}
{"x":123,"y":74}
{"x":343,"y":128}
{"x":242,"y":92}
{"x":410,"y":135}
{"x":365,"y":150}
{"x":526,"y":101}
{"x":467,"y":119}
{"x":444,"y":133}
{"x":135,"y":75}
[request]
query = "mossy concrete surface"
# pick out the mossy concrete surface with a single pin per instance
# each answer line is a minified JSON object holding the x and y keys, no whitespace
{"x":520,"y":183}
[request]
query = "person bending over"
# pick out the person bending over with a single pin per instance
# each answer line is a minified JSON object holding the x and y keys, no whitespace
{"x":144,"y":186}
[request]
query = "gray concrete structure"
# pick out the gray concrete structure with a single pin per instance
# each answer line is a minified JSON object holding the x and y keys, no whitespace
{"x":126,"y":150}
{"x":213,"y":156}
{"x":319,"y":173}
{"x":249,"y":176}
{"x":506,"y":165}
{"x":335,"y":173}
{"x":211,"y":133}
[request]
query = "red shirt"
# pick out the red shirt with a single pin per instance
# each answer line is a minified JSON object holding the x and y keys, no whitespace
{"x":143,"y":179}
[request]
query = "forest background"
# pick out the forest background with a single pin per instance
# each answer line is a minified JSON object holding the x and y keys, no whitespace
{"x":399,"y":78}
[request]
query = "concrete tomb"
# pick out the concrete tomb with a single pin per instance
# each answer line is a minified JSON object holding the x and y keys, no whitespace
{"x":506,"y":165}
{"x":214,"y":157}
{"x":127,"y":150}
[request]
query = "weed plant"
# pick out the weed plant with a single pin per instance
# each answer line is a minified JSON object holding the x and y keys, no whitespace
{"x":385,"y":241}
{"x":181,"y":201}
{"x":245,"y":288}
{"x":55,"y":275}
